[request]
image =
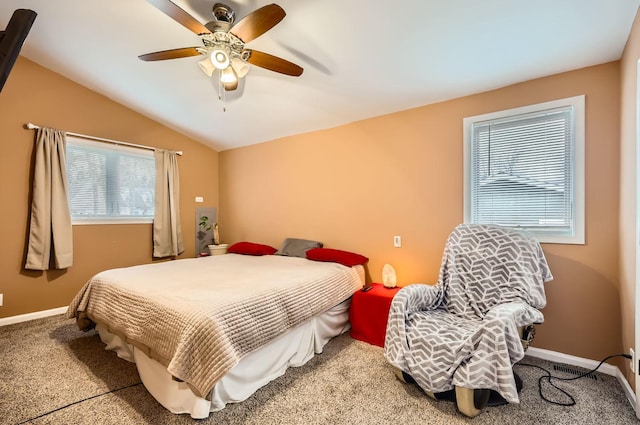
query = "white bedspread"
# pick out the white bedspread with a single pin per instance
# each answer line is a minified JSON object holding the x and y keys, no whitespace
{"x":199,"y":317}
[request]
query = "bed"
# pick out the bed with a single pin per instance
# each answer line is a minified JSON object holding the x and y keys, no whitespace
{"x":205,"y":332}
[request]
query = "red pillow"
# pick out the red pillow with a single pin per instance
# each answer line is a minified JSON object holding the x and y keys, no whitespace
{"x":250,"y":248}
{"x":345,"y":258}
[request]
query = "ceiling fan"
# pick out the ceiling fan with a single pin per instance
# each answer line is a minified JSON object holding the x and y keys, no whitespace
{"x":224,"y":42}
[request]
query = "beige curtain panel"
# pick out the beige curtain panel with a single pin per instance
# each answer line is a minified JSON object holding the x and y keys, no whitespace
{"x":50,"y":232}
{"x":167,"y":233}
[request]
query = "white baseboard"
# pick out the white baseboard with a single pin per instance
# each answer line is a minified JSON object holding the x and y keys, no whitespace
{"x":606,"y":368}
{"x":32,"y":316}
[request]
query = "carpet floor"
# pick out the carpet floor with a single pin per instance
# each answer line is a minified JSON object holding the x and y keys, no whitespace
{"x":54,"y":374}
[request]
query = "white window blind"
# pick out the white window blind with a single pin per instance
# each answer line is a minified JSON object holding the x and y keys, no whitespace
{"x":109,"y":183}
{"x":523,"y":171}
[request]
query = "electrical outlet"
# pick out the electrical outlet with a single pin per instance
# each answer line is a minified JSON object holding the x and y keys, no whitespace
{"x":1,"y":300}
{"x":633,"y":360}
{"x":397,"y":241}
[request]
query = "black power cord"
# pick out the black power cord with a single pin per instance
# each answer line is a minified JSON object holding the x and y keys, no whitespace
{"x":548,"y":378}
{"x":77,"y":402}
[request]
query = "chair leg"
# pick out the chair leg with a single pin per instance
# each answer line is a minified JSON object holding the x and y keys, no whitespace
{"x":407,"y":379}
{"x":471,"y":401}
{"x":403,"y":376}
{"x":399,"y":374}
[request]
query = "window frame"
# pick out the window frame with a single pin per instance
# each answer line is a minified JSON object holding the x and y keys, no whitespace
{"x":577,"y":163}
{"x":75,"y":221}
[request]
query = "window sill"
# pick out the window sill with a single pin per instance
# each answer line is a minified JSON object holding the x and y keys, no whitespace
{"x":75,"y":222}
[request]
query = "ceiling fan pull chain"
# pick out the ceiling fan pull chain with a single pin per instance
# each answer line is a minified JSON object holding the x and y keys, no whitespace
{"x":221,"y":92}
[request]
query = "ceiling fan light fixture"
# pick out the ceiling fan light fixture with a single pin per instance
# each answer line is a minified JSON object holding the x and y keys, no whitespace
{"x":220,"y":57}
{"x":240,"y":67}
{"x":228,"y":75}
{"x":229,"y":79}
{"x":207,"y":66}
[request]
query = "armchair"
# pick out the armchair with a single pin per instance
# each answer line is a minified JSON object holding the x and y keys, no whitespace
{"x":466,"y":332}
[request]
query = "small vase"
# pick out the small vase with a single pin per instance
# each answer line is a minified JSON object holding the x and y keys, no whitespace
{"x":219,"y":249}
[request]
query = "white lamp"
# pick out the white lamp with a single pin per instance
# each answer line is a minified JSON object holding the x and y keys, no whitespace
{"x":389,"y":279}
{"x":240,"y":67}
{"x":229,"y":79}
{"x":220,"y":57}
{"x":207,"y":66}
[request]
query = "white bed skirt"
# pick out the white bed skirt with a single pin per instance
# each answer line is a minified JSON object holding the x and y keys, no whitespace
{"x":255,"y":370}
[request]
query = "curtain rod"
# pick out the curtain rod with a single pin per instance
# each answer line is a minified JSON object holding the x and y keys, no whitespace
{"x":31,"y":126}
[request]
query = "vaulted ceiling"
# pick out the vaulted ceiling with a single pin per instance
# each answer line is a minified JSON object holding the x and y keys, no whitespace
{"x":361,"y":58}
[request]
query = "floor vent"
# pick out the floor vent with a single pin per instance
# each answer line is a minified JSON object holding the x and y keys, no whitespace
{"x":574,"y":371}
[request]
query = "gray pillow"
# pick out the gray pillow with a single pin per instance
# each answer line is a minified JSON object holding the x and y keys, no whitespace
{"x":292,"y":247}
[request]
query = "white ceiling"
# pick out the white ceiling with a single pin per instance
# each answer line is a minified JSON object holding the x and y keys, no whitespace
{"x":361,"y":58}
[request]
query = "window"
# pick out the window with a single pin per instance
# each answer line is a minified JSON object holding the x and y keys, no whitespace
{"x":525,"y":168}
{"x":109,"y":183}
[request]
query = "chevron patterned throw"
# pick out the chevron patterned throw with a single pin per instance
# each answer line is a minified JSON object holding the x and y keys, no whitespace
{"x":463,"y":330}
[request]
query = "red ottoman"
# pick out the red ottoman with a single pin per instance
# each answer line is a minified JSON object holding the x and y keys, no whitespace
{"x":369,"y":313}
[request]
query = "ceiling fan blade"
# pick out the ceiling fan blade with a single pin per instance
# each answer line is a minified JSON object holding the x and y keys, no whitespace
{"x":258,"y":22}
{"x":184,"y":52}
{"x":274,"y":63}
{"x":177,"y":14}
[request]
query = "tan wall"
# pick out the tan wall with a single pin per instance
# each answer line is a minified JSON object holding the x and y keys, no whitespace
{"x":628,"y":189}
{"x":33,"y":93}
{"x":355,"y":186}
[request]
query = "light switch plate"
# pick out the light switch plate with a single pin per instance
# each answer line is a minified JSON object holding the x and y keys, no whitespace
{"x":397,"y":241}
